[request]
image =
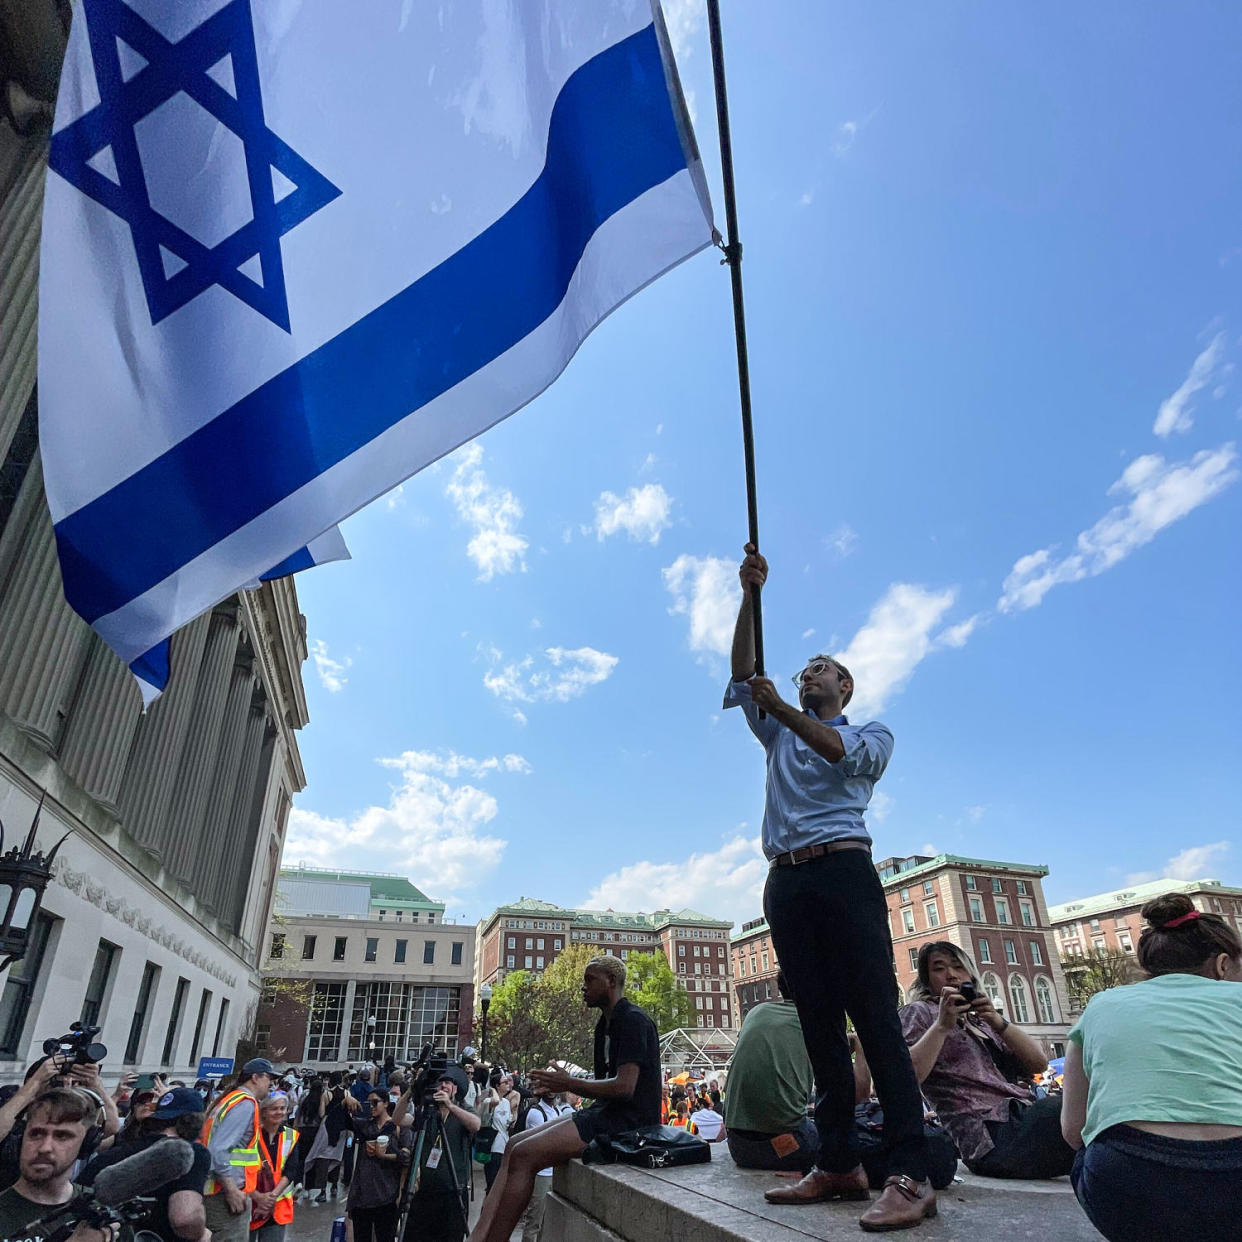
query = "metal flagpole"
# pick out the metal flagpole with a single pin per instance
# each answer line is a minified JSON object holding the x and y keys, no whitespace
{"x":733,"y":257}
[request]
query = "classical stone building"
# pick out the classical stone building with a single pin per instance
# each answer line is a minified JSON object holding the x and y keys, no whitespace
{"x":153,"y":924}
{"x":754,"y":966}
{"x":361,"y":966}
{"x":530,"y":935}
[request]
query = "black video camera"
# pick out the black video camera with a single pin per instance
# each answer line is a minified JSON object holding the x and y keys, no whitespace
{"x":75,"y":1048}
{"x":429,"y":1068}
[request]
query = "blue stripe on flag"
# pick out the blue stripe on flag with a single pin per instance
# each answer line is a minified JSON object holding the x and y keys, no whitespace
{"x":294,"y":564}
{"x":612,"y":137}
{"x":152,"y":666}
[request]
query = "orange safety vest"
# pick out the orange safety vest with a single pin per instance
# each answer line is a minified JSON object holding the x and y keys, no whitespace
{"x":244,"y":1158}
{"x":282,"y":1211}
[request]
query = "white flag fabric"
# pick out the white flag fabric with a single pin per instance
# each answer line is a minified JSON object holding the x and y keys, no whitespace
{"x":293,"y":253}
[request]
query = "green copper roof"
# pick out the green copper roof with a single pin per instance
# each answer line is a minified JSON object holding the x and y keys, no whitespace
{"x":955,"y":860}
{"x":394,"y":888}
{"x":623,"y":920}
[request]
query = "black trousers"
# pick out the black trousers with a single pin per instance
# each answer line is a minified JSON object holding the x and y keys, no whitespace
{"x":375,"y":1224}
{"x":829,"y":923}
{"x":1028,"y":1145}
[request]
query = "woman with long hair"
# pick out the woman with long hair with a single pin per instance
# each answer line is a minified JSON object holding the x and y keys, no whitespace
{"x":975,"y":1067}
{"x":1153,"y":1086}
{"x":327,"y":1149}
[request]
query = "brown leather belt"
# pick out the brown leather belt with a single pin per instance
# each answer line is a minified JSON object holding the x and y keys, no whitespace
{"x":807,"y":852}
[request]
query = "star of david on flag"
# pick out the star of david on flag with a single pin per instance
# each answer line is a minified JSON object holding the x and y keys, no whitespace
{"x":293,"y":254}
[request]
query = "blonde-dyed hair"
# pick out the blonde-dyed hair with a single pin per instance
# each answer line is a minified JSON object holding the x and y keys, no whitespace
{"x":612,"y":967}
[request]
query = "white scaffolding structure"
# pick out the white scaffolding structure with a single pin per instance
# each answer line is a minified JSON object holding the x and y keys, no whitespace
{"x":701,"y":1049}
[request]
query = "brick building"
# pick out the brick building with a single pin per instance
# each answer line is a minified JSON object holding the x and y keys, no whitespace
{"x":1112,"y":922}
{"x":754,"y":967}
{"x":362,"y":966}
{"x":996,"y":911}
{"x":530,"y":934}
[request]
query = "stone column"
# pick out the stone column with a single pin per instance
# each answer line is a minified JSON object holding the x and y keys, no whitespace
{"x":19,"y":281}
{"x":156,"y":754}
{"x":206,"y":873}
{"x":102,"y":725}
{"x":188,"y":805}
{"x":240,"y":802}
{"x":347,"y":1019}
{"x":42,"y":642}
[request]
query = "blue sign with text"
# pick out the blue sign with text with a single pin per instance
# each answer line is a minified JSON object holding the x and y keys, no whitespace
{"x":214,"y":1067}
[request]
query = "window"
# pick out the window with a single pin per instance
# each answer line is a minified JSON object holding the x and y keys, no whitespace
{"x":97,"y":985}
{"x":907,"y":917}
{"x":1028,"y":913}
{"x":932,"y":911}
{"x":991,"y":985}
{"x":509,"y":961}
{"x":530,"y":962}
{"x":970,"y":882}
{"x":381,"y":914}
{"x":398,"y":953}
{"x":372,"y":949}
{"x":326,"y":1022}
{"x":1002,"y":910}
{"x":764,"y":958}
{"x":556,"y":944}
{"x":263,"y":1036}
{"x":512,"y":943}
{"x":903,"y":894}
{"x":1124,"y":940}
{"x":539,"y":963}
{"x":429,"y":952}
{"x":220,"y":1022}
{"x":996,"y":885}
{"x":696,"y":950}
{"x":308,"y":948}
{"x":137,"y":1026}
{"x":1037,"y":954}
{"x":1011,"y":953}
{"x":539,"y":943}
{"x":720,"y":950}
{"x":338,"y":949}
{"x":681,"y":950}
{"x":1017,"y":992}
{"x":1099,"y":944}
{"x":985,"y":951}
{"x":914,"y":959}
{"x":19,"y":987}
{"x":1021,"y":888}
{"x":976,"y":910}
{"x":278,"y":946}
{"x":1043,"y":1000}
{"x":203,"y":1005}
{"x":928,"y":888}
{"x":455,"y":958}
{"x":174,"y":1021}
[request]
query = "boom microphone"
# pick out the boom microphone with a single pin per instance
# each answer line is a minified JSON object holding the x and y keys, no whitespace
{"x":143,"y":1173}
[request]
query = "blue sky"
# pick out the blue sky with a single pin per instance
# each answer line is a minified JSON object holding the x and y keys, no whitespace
{"x":992,"y":274}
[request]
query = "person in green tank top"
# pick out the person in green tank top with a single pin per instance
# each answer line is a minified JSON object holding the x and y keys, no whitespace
{"x":1153,"y":1086}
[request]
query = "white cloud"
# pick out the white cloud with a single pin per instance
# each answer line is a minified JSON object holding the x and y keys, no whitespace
{"x":1195,"y":863}
{"x":494,"y":512}
{"x":886,"y":650}
{"x":642,"y":514}
{"x":559,"y":676}
{"x":843,"y":540}
{"x":331,"y":672}
{"x":1174,"y":413}
{"x":809,"y":633}
{"x":807,"y":198}
{"x":705,"y":589}
{"x":684,"y":19}
{"x":432,"y":828}
{"x":880,"y":807}
{"x":847,"y":131}
{"x":956,"y":635}
{"x":725,"y":883}
{"x":976,"y":813}
{"x":1160,"y":494}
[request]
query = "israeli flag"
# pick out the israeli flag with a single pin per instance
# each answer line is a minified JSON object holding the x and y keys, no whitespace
{"x":293,"y":253}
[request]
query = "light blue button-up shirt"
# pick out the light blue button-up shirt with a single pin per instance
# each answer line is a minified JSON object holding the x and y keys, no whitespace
{"x":810,"y":801}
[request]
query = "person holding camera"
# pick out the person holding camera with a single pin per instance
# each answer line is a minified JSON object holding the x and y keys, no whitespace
{"x":828,"y":916}
{"x":178,"y":1213}
{"x":971,"y":1062}
{"x":503,"y":1100}
{"x":57,"y":1122}
{"x":231,"y":1136}
{"x":437,"y":1213}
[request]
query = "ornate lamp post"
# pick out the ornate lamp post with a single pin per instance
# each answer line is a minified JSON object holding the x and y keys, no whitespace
{"x":24,"y":874}
{"x":485,"y":1001}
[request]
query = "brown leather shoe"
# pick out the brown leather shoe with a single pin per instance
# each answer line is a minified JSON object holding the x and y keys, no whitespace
{"x":903,"y":1204}
{"x":821,"y":1187}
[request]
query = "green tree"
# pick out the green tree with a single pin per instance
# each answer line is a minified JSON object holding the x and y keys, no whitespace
{"x":1096,"y":971}
{"x":514,"y":1031}
{"x":652,"y":986}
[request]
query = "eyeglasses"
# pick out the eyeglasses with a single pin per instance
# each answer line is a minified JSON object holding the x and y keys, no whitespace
{"x":812,"y":670}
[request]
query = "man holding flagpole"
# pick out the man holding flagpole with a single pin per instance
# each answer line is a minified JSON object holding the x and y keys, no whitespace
{"x":829,"y":919}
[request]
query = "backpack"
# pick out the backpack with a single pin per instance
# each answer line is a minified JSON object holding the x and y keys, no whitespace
{"x":524,"y":1108}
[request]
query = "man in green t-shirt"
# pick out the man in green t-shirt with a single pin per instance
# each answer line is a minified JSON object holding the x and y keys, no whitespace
{"x":770,"y":1082}
{"x":56,"y":1124}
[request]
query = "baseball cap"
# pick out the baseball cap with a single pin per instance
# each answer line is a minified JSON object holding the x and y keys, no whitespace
{"x":260,"y":1065}
{"x":178,"y":1102}
{"x":453,"y":1074}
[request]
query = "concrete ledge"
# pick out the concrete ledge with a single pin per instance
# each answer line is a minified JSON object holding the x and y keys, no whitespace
{"x":718,"y":1202}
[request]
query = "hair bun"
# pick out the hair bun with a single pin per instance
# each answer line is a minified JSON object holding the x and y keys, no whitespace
{"x":1164,"y":909}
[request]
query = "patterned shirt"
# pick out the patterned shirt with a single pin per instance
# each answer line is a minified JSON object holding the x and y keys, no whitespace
{"x":966,"y":1087}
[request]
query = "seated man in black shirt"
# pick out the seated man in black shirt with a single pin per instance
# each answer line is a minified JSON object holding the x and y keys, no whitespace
{"x":625,"y":1094}
{"x":177,"y":1215}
